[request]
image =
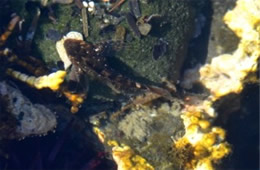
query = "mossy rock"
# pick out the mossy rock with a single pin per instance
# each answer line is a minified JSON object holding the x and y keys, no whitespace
{"x":173,"y":26}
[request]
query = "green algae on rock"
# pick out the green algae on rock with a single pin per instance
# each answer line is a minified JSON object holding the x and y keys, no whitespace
{"x":65,"y":21}
{"x":174,"y":26}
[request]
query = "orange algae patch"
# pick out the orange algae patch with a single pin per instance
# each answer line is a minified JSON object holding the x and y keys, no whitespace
{"x":75,"y":99}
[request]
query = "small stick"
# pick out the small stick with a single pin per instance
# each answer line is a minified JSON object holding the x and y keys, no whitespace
{"x":31,"y":31}
{"x":85,"y":21}
{"x":138,"y":100}
{"x":118,"y":3}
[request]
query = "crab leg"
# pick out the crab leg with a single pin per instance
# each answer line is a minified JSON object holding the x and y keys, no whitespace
{"x":9,"y":30}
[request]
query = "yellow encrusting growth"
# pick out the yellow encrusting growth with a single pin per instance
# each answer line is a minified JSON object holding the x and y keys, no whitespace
{"x":126,"y":158}
{"x":207,"y":142}
{"x":52,"y":81}
{"x":226,"y":73}
{"x":204,"y":143}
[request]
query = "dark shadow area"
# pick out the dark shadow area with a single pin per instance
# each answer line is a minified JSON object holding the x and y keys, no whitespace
{"x":124,"y":70}
{"x":60,"y":150}
{"x":198,"y":46}
{"x":242,"y":128}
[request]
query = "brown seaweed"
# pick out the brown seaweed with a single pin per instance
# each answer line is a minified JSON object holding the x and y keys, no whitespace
{"x":135,"y":8}
{"x":132,"y":23}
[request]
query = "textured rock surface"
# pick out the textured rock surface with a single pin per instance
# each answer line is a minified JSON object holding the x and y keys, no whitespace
{"x":31,"y":119}
{"x":221,"y":39}
{"x":149,"y":131}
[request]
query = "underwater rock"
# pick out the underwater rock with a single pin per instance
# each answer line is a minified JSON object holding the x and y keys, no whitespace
{"x":226,"y":73}
{"x":148,"y":130}
{"x":221,"y":38}
{"x":174,"y":26}
{"x":31,"y":119}
{"x":224,"y":76}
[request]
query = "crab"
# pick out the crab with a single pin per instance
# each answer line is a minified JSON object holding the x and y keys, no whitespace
{"x":86,"y":58}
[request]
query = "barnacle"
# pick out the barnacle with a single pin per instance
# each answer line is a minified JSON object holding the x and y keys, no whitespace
{"x":61,"y":50}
